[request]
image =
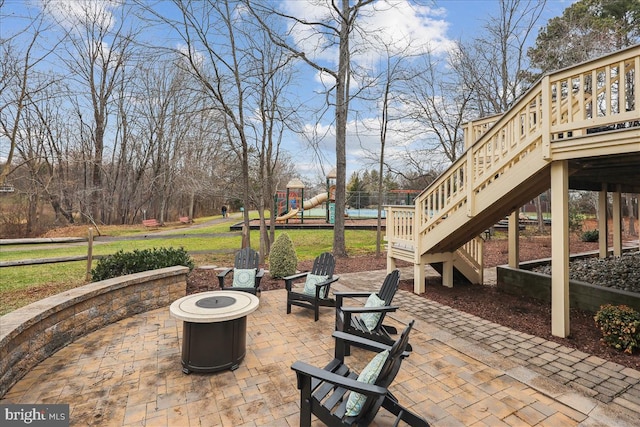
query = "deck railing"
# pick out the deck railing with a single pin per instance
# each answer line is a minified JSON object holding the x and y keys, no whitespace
{"x":597,"y":95}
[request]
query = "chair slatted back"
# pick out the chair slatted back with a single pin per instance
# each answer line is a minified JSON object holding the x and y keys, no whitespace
{"x":389,"y":287}
{"x":387,"y":375}
{"x":247,"y":258}
{"x":324,"y":265}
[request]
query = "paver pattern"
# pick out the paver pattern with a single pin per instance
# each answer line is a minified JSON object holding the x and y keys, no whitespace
{"x":463,"y":371}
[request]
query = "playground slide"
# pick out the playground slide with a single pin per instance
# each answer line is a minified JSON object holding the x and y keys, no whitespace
{"x":308,"y":204}
{"x":287,"y":215}
{"x":315,"y":201}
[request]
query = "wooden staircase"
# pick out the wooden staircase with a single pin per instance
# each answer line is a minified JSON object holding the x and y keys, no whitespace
{"x":588,"y":115}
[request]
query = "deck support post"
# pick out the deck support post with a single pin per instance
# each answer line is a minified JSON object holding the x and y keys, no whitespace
{"x":419,"y":278}
{"x":391,"y":262}
{"x":514,"y":240}
{"x":617,"y":221}
{"x":447,"y":270}
{"x":603,"y":224}
{"x":560,"y":248}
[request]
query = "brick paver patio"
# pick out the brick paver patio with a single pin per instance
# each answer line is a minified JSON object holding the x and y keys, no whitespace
{"x":463,"y":371}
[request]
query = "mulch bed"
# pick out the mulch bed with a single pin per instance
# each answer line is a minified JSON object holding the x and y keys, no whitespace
{"x":522,"y":314}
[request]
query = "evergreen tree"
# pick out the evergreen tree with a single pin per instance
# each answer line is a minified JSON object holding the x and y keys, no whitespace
{"x":587,"y":29}
{"x":357,"y":194}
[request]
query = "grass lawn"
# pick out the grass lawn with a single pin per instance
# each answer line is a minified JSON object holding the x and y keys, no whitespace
{"x":214,"y":244}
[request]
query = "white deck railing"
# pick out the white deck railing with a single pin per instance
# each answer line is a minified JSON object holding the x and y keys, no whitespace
{"x":571,"y":103}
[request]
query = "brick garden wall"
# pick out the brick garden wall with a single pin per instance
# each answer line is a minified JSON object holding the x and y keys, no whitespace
{"x":32,"y":333}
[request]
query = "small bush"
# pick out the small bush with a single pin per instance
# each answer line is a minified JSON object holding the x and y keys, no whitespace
{"x":620,"y":326}
{"x":122,"y":263}
{"x":576,"y":219}
{"x":282,"y":259}
{"x":590,"y":236}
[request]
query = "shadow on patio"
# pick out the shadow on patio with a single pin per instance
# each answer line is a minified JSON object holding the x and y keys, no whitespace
{"x":129,"y":373}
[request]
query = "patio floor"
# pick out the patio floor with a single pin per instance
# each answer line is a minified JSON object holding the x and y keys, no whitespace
{"x":463,"y":371}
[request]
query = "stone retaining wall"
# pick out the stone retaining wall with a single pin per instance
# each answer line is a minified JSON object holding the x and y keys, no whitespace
{"x":582,"y":295}
{"x":32,"y":333}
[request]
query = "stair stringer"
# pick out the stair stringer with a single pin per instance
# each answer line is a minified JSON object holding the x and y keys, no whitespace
{"x":505,"y":193}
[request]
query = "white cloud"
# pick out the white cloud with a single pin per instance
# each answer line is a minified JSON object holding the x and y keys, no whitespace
{"x":72,"y":14}
{"x":396,"y":23}
{"x":401,"y":25}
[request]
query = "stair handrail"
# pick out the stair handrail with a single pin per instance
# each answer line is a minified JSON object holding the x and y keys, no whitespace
{"x":507,"y":139}
{"x":513,"y":132}
{"x":539,"y":118}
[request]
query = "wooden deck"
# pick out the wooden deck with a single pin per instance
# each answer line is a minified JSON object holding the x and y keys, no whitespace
{"x":578,"y":128}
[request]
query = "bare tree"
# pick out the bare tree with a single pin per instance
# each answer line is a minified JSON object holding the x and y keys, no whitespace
{"x":207,"y":166}
{"x":273,"y":76}
{"x":100,"y":48}
{"x":215,"y":60}
{"x":439,"y":101}
{"x":337,"y":26}
{"x":493,"y":64}
{"x":387,"y":92}
{"x":242,"y":77}
{"x":18,"y":86}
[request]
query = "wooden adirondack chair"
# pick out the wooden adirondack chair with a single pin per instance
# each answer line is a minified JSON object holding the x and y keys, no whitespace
{"x":246,"y":273}
{"x":354,"y":320}
{"x":316,"y":291}
{"x":324,"y":392}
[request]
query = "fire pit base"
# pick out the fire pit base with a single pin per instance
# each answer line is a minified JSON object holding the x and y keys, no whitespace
{"x":211,"y":347}
{"x":214,"y":333}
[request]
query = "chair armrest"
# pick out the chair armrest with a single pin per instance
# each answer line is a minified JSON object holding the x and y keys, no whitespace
{"x":222,"y":275}
{"x":288,"y":280}
{"x":296,"y":276}
{"x":383,"y":309}
{"x":364,"y":343}
{"x":304,"y":369}
{"x":360,"y":341}
{"x":340,"y":295}
{"x":260,"y":272}
{"x":327,"y":282}
{"x":225,"y":272}
{"x":346,"y":294}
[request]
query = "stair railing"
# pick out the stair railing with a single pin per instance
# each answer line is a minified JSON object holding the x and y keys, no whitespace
{"x":597,"y":95}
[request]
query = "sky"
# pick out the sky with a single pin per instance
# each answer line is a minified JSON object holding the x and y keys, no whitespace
{"x":440,"y":22}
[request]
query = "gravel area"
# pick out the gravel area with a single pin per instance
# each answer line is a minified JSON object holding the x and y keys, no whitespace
{"x":621,"y":272}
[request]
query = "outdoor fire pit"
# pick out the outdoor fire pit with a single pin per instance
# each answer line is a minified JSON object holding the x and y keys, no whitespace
{"x":215,"y":329}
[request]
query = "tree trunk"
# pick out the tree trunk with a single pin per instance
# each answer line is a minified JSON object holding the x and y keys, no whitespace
{"x":342,"y":109}
{"x":32,"y":213}
{"x":246,"y":226}
{"x":539,"y":213}
{"x":632,"y":219}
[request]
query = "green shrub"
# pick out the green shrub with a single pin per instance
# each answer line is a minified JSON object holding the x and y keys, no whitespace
{"x":576,"y":219}
{"x":590,"y":236}
{"x":122,"y":263}
{"x":282,"y":259}
{"x":620,"y":326}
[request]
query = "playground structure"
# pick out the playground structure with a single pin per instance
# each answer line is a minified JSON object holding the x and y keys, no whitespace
{"x":287,"y":203}
{"x":290,"y":203}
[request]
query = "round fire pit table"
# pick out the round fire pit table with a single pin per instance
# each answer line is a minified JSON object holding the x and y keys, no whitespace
{"x":214,"y":334}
